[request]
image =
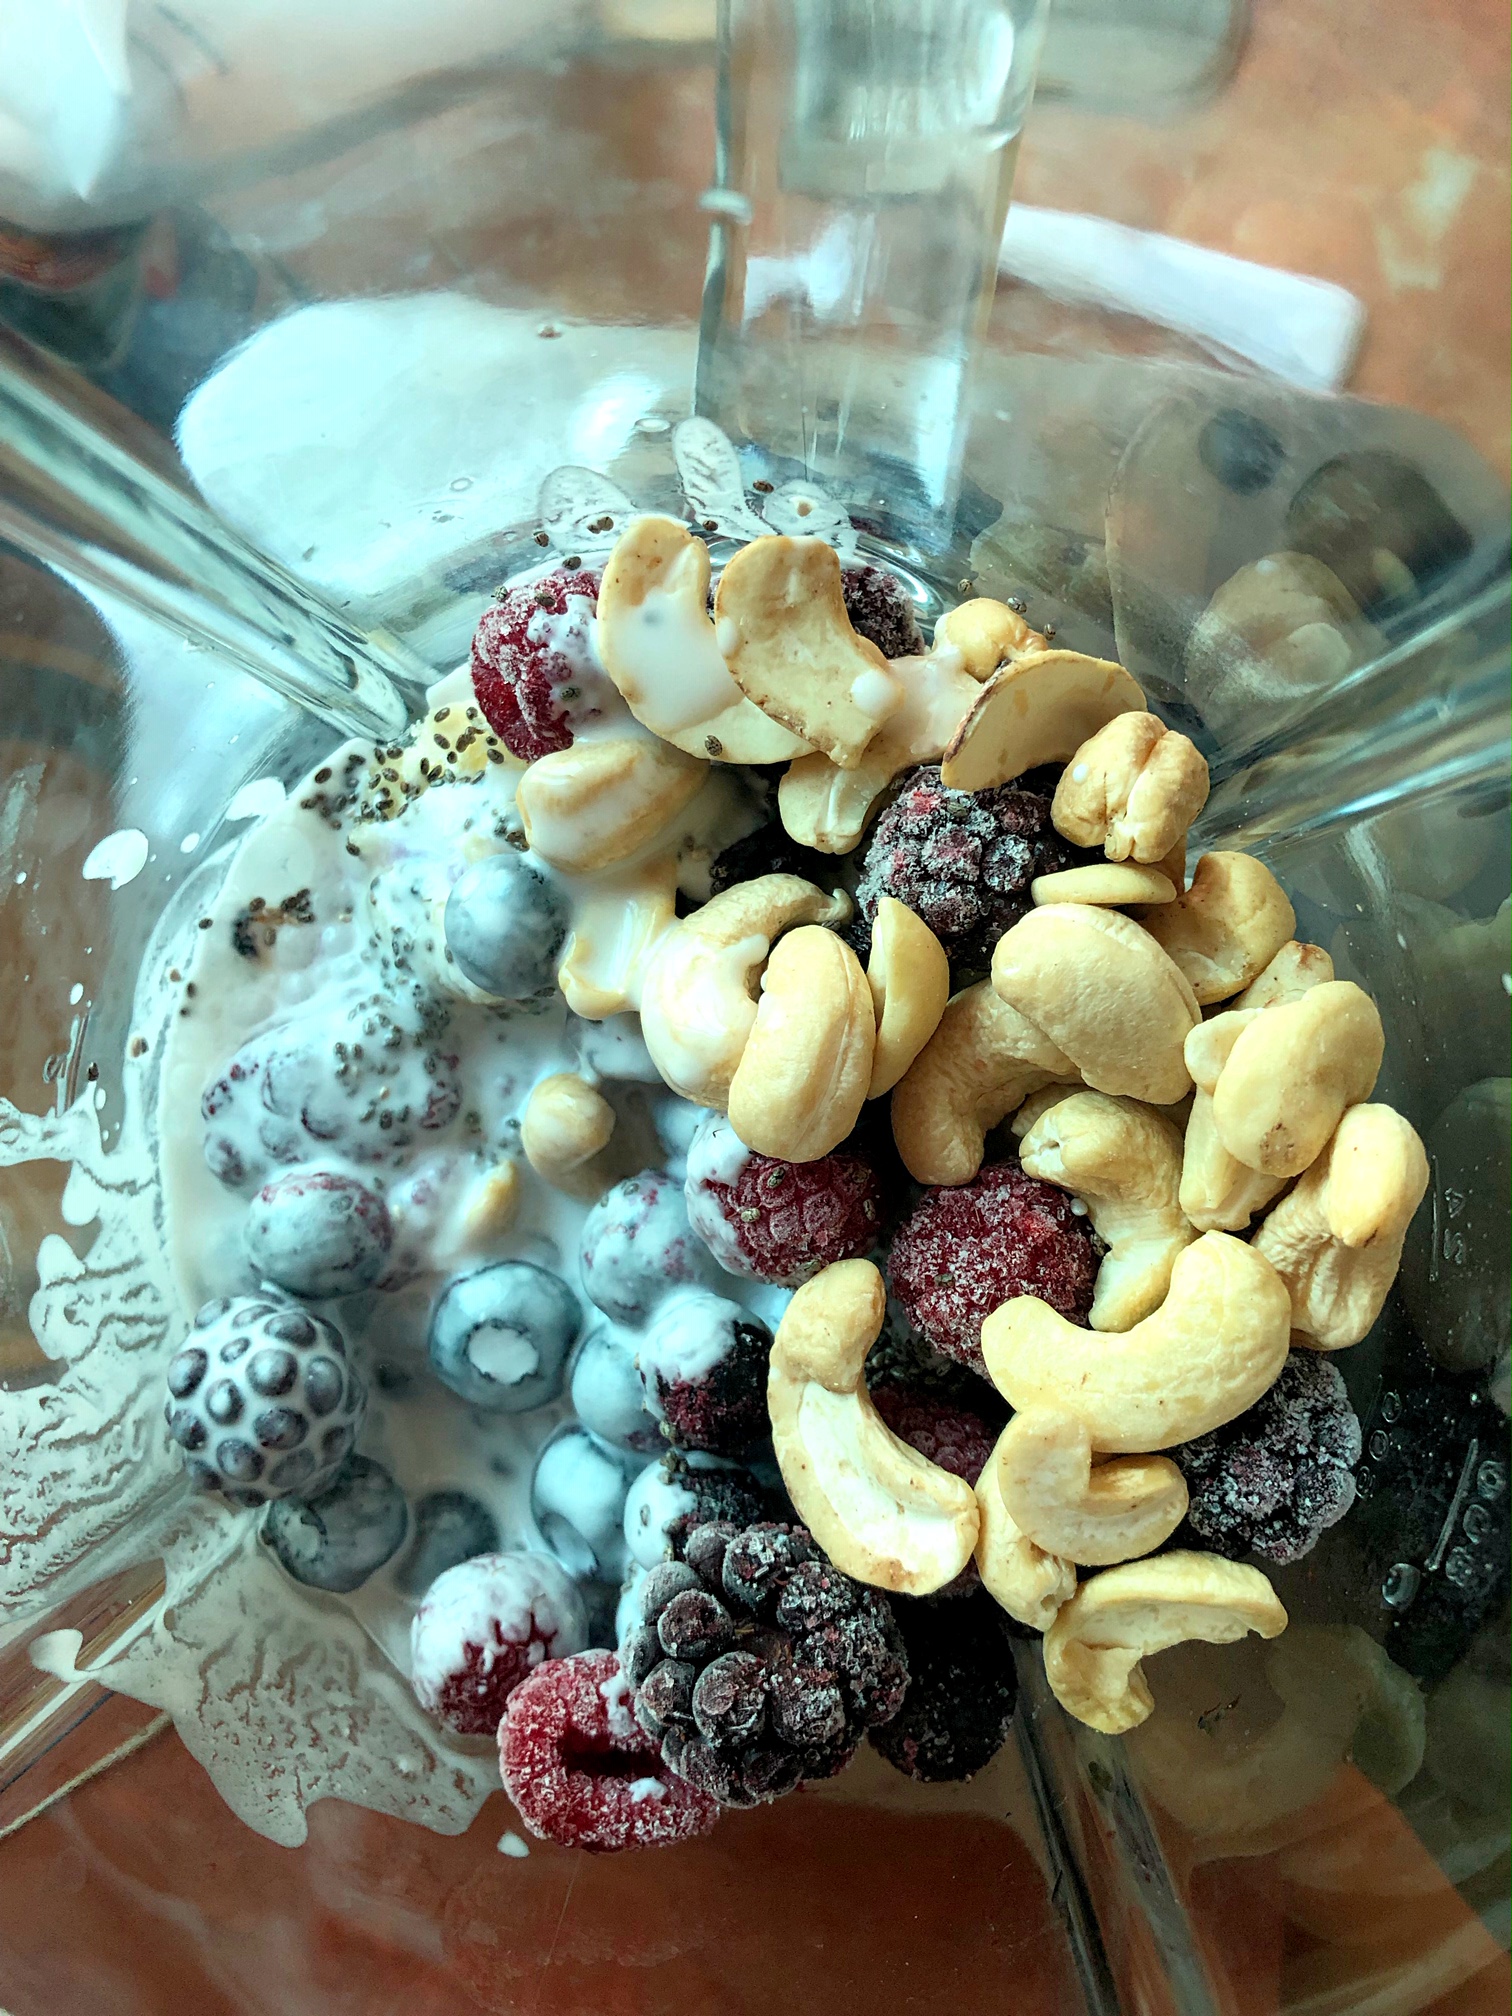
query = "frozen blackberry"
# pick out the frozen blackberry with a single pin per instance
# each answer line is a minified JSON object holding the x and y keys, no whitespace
{"x":961,"y":1690}
{"x":703,"y":1365}
{"x":533,"y":668}
{"x":483,"y":1626}
{"x":778,"y":1221}
{"x":954,"y":1437}
{"x":262,"y":1400}
{"x":770,"y":850}
{"x":961,"y":860}
{"x":756,"y":1664}
{"x":880,"y":608}
{"x":1281,"y":1473}
{"x":670,"y":1498}
{"x":636,"y":1244}
{"x":963,"y":1251}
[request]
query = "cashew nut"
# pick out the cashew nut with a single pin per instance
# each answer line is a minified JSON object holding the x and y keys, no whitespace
{"x":1030,"y":1584}
{"x":909,"y":976}
{"x":781,"y":623}
{"x":980,"y":1063}
{"x":1115,"y":1512}
{"x":492,"y":1205}
{"x":698,"y":997}
{"x":881,"y":1511}
{"x":1124,"y":1161}
{"x":1094,"y":1647}
{"x":601,"y":801}
{"x":1033,"y":710}
{"x":1336,"y":1239}
{"x":985,"y":633}
{"x":616,"y":926}
{"x":1295,"y":970}
{"x":801,"y":1081}
{"x":565,"y":1126}
{"x":1291,"y":1074}
{"x":661,"y":650}
{"x":1109,"y":883}
{"x":1105,"y":993}
{"x":827,"y":808}
{"x":1133,"y":789}
{"x":1225,"y":930}
{"x":1215,"y":1344}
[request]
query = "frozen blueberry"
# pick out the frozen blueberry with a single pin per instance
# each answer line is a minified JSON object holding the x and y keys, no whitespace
{"x":637,"y":1243}
{"x":336,"y":1541}
{"x":262,"y":1400}
{"x":449,"y":1527}
{"x":1240,"y":451}
{"x":607,"y":1396}
{"x":318,"y":1234}
{"x":577,"y":1498}
{"x":500,"y":1337}
{"x":505,"y":925}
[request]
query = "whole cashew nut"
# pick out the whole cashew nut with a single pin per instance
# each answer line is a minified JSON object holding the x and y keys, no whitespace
{"x":981,"y":1062}
{"x":1094,"y":1648}
{"x":801,"y":1081}
{"x":882,"y":1512}
{"x":1093,"y":1516}
{"x":1215,"y":1344}
{"x":1124,"y":1162}
{"x":986,"y":633}
{"x":1225,"y":930}
{"x":565,"y":1126}
{"x":602,"y":800}
{"x":698,"y":999}
{"x":1105,"y":993}
{"x":1030,"y":1584}
{"x":1132,"y":790}
{"x":1291,"y":1074}
{"x":909,"y":976}
{"x":1336,"y":1239}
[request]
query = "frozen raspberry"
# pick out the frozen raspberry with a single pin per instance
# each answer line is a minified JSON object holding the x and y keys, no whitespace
{"x":962,"y":860}
{"x":961,"y":1690}
{"x":1282,"y":1473}
{"x":636,"y":1244}
{"x":770,"y":850}
{"x":778,"y":1221}
{"x":961,"y":1252}
{"x":880,"y":608}
{"x":953,"y":1437}
{"x":533,"y":668}
{"x":756,"y":1664}
{"x":483,"y":1626}
{"x":582,"y":1772}
{"x":669,"y":1499}
{"x":703,"y":1363}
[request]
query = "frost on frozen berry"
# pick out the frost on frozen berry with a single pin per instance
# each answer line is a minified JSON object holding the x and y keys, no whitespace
{"x":499,"y":1337}
{"x":262,"y":1400}
{"x":963,"y":1251}
{"x":756,"y":1664}
{"x":1280,"y":1474}
{"x":636,"y":1243}
{"x":961,"y":860}
{"x":880,"y":608}
{"x":482,"y":1627}
{"x":703,"y":1365}
{"x":954,"y":1437}
{"x":318,"y":1233}
{"x":774,"y":1221}
{"x":338,"y":1538}
{"x":669,"y":1499}
{"x":961,"y":1690}
{"x":533,"y":668}
{"x":580,"y":1769}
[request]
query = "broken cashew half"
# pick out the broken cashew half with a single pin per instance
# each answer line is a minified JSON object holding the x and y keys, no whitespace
{"x":985,"y":634}
{"x":1336,"y":1239}
{"x":1225,"y":930}
{"x":1210,"y":1350}
{"x":802,"y":1078}
{"x":1094,"y":1516}
{"x":1291,"y":1074}
{"x":1109,"y":883}
{"x":602,"y":800}
{"x":882,"y":1512}
{"x":1105,"y":993}
{"x":616,"y":926}
{"x":909,"y":976}
{"x":698,"y":995}
{"x":565,"y":1127}
{"x":1036,"y":709}
{"x":1094,"y":1647}
{"x":1133,"y":789}
{"x":1030,"y":1584}
{"x":982,"y":1061}
{"x":1124,"y":1161}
